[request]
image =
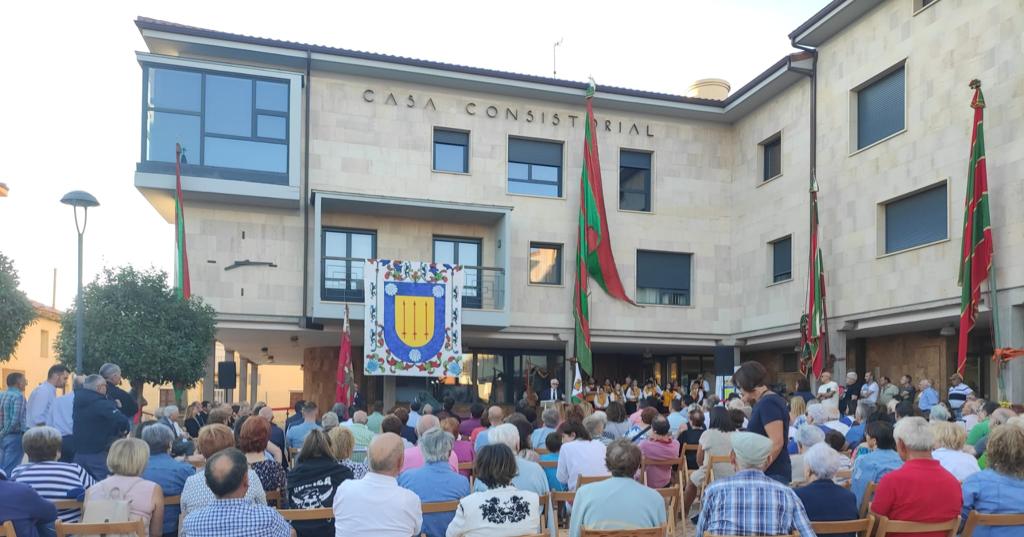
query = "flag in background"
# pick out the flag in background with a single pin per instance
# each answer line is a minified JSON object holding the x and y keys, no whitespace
{"x":815,"y":335}
{"x":976,"y":248}
{"x":344,"y":392}
{"x":577,"y":386}
{"x":182,"y":284}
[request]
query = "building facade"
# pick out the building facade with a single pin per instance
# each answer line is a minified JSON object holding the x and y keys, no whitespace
{"x":302,"y":161}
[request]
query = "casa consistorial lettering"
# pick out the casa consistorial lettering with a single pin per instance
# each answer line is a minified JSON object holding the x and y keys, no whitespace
{"x":508,"y":113}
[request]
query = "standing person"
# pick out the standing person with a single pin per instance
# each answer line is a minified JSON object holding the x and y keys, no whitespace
{"x":97,"y":423}
{"x":958,"y":394}
{"x":126,"y":461}
{"x":40,"y":402}
{"x":851,"y":394}
{"x":869,"y":391}
{"x":296,"y":434}
{"x":921,"y":490}
{"x":163,"y":470}
{"x":63,"y":419}
{"x":295,"y":418}
{"x":828,"y":388}
{"x":887,"y":391}
{"x":929,"y":397}
{"x":803,"y":390}
{"x":414,"y":414}
{"x":376,"y":505}
{"x":769,"y":417}
{"x":553,"y":393}
{"x":125,"y":402}
{"x":12,"y":422}
{"x":632,"y":395}
{"x":435,"y":481}
{"x":907,"y":389}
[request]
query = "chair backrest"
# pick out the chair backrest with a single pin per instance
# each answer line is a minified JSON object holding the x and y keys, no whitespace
{"x":676,"y":462}
{"x":67,"y":504}
{"x":560,"y":497}
{"x":886,"y":526}
{"x":134,"y":527}
{"x":639,"y":532}
{"x":794,"y":534}
{"x":466,"y":466}
{"x":197,"y":464}
{"x":865,"y":502}
{"x":861,"y":526}
{"x":439,"y":507}
{"x":712,"y":461}
{"x":585,"y":479}
{"x":172,"y":500}
{"x":322,"y":513}
{"x":975,"y":519}
{"x":274,"y":498}
{"x":548,"y":464}
{"x":541,"y":450}
{"x":7,"y":529}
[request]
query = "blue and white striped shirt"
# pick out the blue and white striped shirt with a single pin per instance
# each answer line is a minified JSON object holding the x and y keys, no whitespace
{"x":54,"y":481}
{"x":958,"y":395}
{"x":751,"y":503}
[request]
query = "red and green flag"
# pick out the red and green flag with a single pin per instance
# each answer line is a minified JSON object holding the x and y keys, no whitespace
{"x":976,"y":248}
{"x":594,"y":258}
{"x":813,"y":325}
{"x":182,"y":285}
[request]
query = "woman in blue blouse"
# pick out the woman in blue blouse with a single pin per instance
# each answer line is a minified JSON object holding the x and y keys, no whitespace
{"x":1000,"y":488}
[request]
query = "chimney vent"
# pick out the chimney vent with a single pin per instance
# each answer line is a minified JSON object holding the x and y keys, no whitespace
{"x":709,"y":88}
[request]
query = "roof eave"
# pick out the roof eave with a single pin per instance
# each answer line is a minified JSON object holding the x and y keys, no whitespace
{"x":828,"y":22}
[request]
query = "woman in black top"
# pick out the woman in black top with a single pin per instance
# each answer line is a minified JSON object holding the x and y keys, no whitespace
{"x":769,"y":417}
{"x":692,"y":436}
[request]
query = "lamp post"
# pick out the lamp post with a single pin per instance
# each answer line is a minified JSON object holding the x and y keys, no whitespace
{"x":76,"y":199}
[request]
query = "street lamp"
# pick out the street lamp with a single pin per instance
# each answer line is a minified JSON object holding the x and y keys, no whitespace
{"x":76,"y":199}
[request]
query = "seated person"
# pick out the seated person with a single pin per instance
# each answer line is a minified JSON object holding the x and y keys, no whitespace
{"x":502,"y":510}
{"x":619,"y":502}
{"x":435,"y":481}
{"x":824,"y":500}
{"x":999,"y":489}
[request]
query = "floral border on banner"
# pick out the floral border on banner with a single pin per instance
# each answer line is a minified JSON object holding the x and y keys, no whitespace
{"x":378,"y":358}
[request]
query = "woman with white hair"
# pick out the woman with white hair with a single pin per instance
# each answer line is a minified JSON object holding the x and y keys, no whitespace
{"x":939,"y":414}
{"x":414,"y":456}
{"x":834,"y":418}
{"x":806,"y":437}
{"x":824,"y":500}
{"x":949,"y":449}
{"x":529,"y":476}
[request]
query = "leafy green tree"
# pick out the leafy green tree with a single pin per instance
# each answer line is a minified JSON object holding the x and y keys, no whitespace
{"x":16,"y":311}
{"x":133,"y":319}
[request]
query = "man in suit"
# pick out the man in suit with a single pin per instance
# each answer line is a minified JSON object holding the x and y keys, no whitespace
{"x":170,"y":419}
{"x":554,"y":393}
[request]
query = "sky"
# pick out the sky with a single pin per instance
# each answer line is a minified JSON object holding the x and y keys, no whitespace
{"x":70,"y":97}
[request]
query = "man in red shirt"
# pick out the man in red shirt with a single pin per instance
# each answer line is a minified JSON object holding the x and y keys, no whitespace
{"x":922,"y":490}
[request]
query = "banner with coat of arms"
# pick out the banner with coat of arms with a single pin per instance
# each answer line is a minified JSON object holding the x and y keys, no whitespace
{"x":413,"y":318}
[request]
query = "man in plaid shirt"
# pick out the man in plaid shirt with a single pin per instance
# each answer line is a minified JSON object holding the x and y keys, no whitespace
{"x":751,"y":503}
{"x":12,"y":422}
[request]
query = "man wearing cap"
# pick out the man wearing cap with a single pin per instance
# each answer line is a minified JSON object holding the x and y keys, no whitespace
{"x":751,"y":503}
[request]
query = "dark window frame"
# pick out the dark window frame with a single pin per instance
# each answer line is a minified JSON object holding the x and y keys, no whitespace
{"x":558,"y":247}
{"x":777,"y":275}
{"x":433,"y":149}
{"x":468,"y":300}
{"x":775,"y":141}
{"x":673,"y":295}
{"x":887,"y":205}
{"x":343,"y":295}
{"x":217,"y":172}
{"x":558,"y":183}
{"x":647,"y":190}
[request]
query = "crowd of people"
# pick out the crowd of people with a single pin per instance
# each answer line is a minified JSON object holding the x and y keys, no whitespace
{"x":764,"y":462}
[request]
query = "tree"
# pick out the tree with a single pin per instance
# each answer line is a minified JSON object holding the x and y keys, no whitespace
{"x":133,"y":319}
{"x":16,"y":311}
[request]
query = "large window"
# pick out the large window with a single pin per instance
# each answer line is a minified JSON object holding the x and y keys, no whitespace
{"x":534,"y":167}
{"x":634,"y":180}
{"x":545,"y":263}
{"x":880,"y":108}
{"x":229,"y":125}
{"x":465,"y":252}
{"x":916,"y":219}
{"x":451,"y":151}
{"x":771,"y":155}
{"x":782,"y":260}
{"x":344,"y":254}
{"x":663,"y":278}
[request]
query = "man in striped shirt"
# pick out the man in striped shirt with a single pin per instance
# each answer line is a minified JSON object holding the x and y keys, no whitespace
{"x":12,"y":421}
{"x":958,"y":393}
{"x":53,"y":480}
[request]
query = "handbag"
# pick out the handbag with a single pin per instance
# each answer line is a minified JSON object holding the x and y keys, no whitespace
{"x":108,"y":505}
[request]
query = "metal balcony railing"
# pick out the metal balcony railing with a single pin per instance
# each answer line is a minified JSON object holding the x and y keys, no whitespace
{"x":342,"y":281}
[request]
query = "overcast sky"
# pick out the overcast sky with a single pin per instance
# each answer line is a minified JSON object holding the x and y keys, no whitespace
{"x":69,"y":100}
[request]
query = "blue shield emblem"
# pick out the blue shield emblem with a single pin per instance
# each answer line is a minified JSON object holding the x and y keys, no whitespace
{"x":414,"y":322}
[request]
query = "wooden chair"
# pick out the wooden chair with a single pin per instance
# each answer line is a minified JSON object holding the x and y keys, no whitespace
{"x":865,"y":503}
{"x":439,"y":507}
{"x":679,"y":463}
{"x":586,"y":479}
{"x":466,"y":467}
{"x":274,"y":498}
{"x":544,"y":511}
{"x":712,"y":461}
{"x":7,"y":529}
{"x":548,"y":464}
{"x":67,"y":504}
{"x":136,"y":527}
{"x":673,"y":502}
{"x":644,"y":532}
{"x":541,"y":450}
{"x":687,"y":448}
{"x":861,"y":526}
{"x":322,"y":513}
{"x":172,"y":500}
{"x":293,"y":453}
{"x":885,"y":526}
{"x":845,"y":475}
{"x":198,"y":465}
{"x":561,"y":498}
{"x":975,"y":519}
{"x":794,"y":534}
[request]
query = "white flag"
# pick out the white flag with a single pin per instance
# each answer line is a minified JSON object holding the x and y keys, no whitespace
{"x":577,"y":386}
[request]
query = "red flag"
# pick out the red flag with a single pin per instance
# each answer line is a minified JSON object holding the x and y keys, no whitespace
{"x":343,"y":392}
{"x":182,"y":284}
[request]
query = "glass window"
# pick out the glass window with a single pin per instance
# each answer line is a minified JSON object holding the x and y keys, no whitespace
{"x":343,"y":257}
{"x":465,"y":252}
{"x":231,"y":122}
{"x":451,"y":151}
{"x":880,"y":109}
{"x":772,"y":155}
{"x":782,"y":260}
{"x":545,"y":263}
{"x":917,"y":219}
{"x":534,"y":167}
{"x":663,"y":278}
{"x":634,"y":181}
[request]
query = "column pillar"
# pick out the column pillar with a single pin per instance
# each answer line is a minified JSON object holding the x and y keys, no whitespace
{"x":254,"y":382}
{"x":389,"y":392}
{"x":243,"y":378}
{"x":229,"y":394}
{"x":209,"y":384}
{"x":1011,"y":332}
{"x":837,"y":346}
{"x":570,"y":367}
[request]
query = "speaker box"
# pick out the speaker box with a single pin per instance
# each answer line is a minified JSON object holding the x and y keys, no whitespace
{"x":226,"y":375}
{"x":724,"y":360}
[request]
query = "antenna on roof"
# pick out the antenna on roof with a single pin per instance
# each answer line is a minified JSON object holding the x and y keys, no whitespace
{"x":554,"y":57}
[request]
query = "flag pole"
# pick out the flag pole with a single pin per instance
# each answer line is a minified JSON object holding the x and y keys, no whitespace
{"x":993,"y":290}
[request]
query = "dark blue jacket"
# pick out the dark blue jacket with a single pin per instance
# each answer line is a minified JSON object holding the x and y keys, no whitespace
{"x":23,"y":506}
{"x":825,"y":501}
{"x":97,"y":422}
{"x":129,"y":405}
